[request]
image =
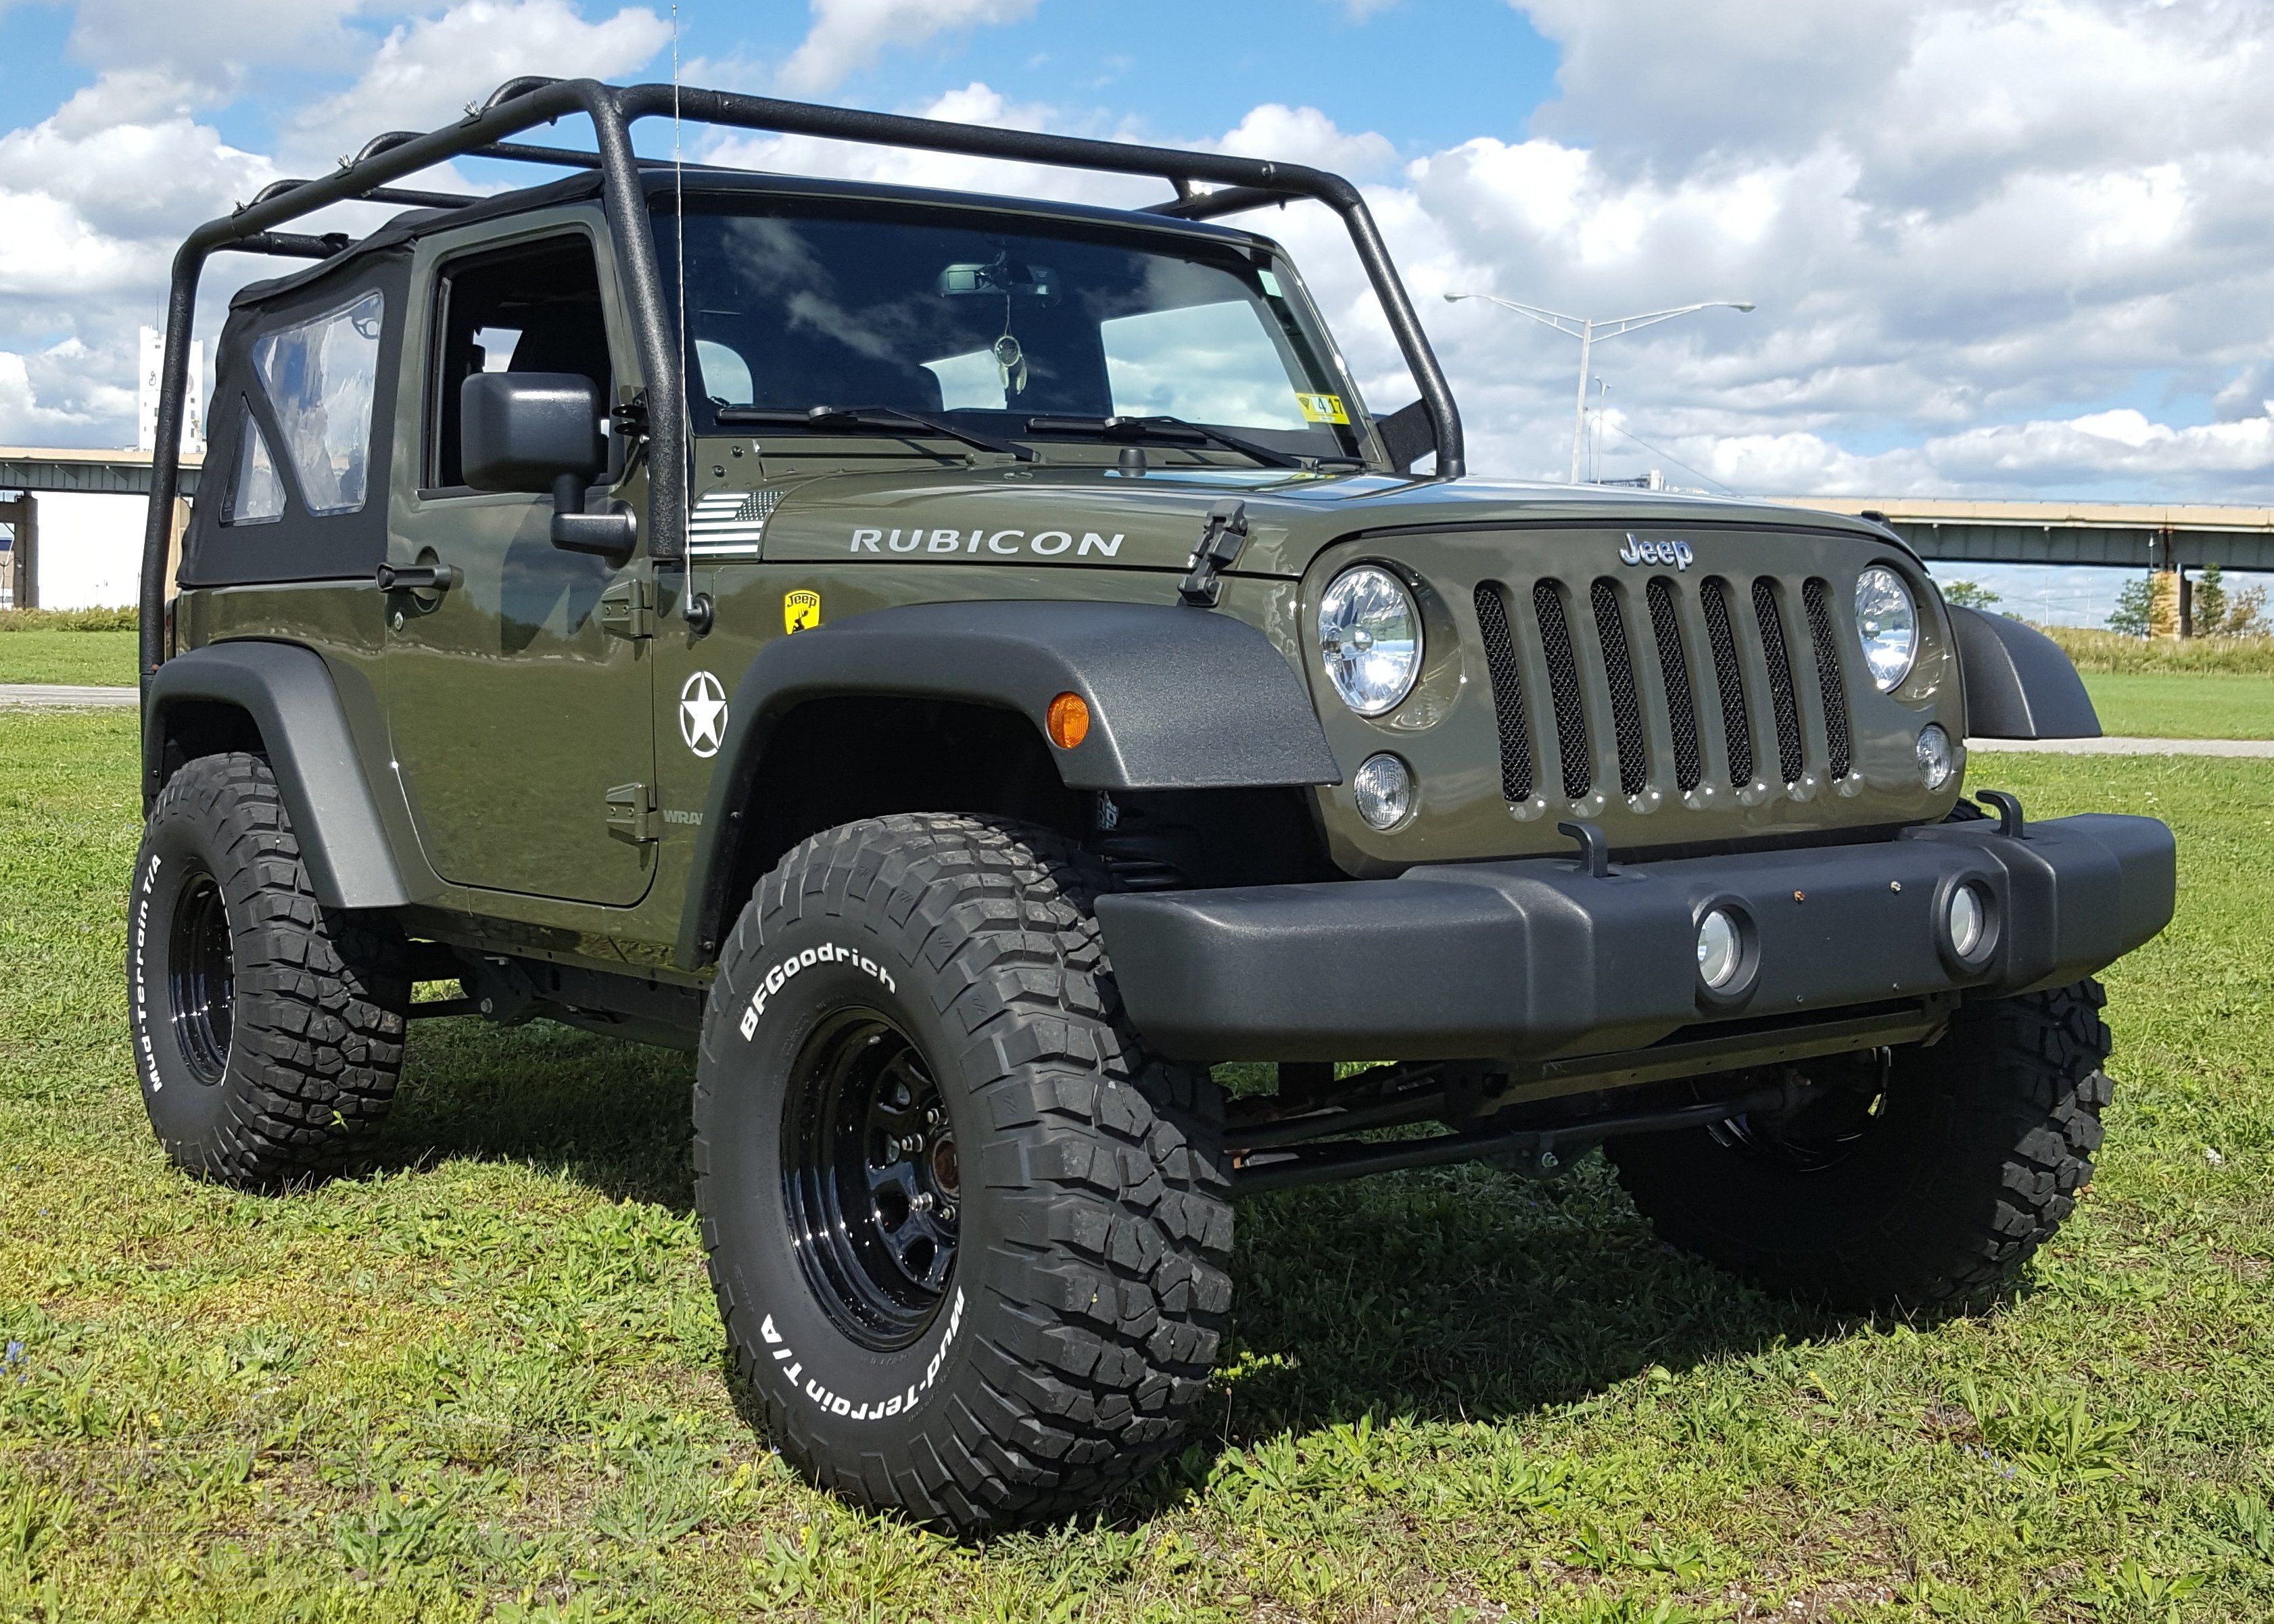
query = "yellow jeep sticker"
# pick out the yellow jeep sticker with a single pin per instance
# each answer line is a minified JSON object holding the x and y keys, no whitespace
{"x":1322,"y":407}
{"x":800,"y":611}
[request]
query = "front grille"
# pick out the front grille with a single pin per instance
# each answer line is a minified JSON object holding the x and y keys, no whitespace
{"x":1507,"y":692}
{"x":1564,"y":689}
{"x":1838,"y":750}
{"x":1754,"y":676}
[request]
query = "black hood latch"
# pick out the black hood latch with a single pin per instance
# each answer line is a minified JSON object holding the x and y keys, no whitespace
{"x":1222,"y":537}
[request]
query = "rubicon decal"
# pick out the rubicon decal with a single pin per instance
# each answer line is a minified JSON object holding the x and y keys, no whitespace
{"x":834,"y":1404}
{"x":777,"y":978}
{"x":982,"y":541}
{"x":1667,"y":554}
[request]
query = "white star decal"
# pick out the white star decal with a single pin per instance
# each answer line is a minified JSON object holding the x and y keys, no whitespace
{"x":702,"y":714}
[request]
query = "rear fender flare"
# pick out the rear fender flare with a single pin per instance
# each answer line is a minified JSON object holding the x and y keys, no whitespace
{"x":1179,"y":698}
{"x":288,"y":692}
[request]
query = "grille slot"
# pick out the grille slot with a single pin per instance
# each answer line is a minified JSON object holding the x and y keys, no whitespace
{"x":1564,"y":689}
{"x":1507,"y":692}
{"x":1681,"y":709}
{"x":1736,"y":727}
{"x":1814,"y":594}
{"x":1782,"y":698}
{"x":1618,"y":672}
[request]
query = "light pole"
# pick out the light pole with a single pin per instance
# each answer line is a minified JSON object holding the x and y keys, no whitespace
{"x":1587,"y":332}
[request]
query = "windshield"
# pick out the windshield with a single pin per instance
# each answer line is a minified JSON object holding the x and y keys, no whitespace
{"x":808,"y":305}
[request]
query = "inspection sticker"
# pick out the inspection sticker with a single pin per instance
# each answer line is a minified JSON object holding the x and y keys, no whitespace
{"x":1322,"y":407}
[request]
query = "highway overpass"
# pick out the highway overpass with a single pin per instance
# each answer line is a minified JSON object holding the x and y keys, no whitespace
{"x":2120,"y":534}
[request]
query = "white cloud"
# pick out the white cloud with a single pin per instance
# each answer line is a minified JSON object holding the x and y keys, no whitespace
{"x":849,"y":35}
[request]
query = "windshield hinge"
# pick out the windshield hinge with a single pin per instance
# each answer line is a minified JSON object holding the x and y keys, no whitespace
{"x":630,"y":418}
{"x":631,"y":814}
{"x":627,"y":608}
{"x":1222,"y":537}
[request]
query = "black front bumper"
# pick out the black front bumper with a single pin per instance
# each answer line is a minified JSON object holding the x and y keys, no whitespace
{"x":1536,"y":957}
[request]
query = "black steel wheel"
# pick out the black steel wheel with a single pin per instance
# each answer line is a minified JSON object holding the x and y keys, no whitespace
{"x":870,"y":1178}
{"x":267,"y":1028}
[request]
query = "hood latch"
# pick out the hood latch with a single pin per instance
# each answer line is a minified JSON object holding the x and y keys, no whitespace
{"x":1222,"y":537}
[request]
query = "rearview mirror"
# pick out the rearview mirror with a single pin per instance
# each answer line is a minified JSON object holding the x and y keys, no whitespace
{"x":1004,"y":278}
{"x":539,"y":432}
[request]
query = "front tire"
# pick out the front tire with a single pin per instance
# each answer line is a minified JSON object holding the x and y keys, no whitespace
{"x":267,"y":1028}
{"x":968,"y":1238}
{"x":1928,"y":1198}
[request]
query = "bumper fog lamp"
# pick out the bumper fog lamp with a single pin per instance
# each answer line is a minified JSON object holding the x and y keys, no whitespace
{"x":1937,"y":761}
{"x":1718,"y":945}
{"x":1384,"y":788}
{"x":1370,"y":639}
{"x":1968,"y":922}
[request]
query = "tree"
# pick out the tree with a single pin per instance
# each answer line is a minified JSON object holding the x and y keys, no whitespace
{"x":1970,"y":594}
{"x":2208,"y":603}
{"x":2220,"y":614}
{"x":2132,"y":600}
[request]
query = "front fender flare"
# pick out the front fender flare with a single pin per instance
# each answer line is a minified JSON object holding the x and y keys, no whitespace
{"x":289,"y":694}
{"x":2019,"y":683}
{"x":1179,"y":698}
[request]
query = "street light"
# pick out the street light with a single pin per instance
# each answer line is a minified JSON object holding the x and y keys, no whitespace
{"x":1587,"y":332}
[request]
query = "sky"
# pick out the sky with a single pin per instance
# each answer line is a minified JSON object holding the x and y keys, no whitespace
{"x":2012,"y":248}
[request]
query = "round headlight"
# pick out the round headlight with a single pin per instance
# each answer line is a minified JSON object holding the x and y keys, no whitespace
{"x":1888,"y":621}
{"x":1969,"y":922}
{"x":1719,"y":945}
{"x":1936,"y":760}
{"x":1384,"y":789}
{"x":1370,"y":639}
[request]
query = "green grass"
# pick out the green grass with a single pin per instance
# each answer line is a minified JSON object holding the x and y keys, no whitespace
{"x":2095,"y":650}
{"x":2179,"y":704}
{"x":48,"y":655}
{"x":486,"y":1383}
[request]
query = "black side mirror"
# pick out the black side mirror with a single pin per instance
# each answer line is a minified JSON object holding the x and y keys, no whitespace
{"x":540,"y":431}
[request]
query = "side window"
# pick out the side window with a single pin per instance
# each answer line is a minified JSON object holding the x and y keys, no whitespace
{"x":532,"y":309}
{"x":320,"y":376}
{"x":256,"y":495}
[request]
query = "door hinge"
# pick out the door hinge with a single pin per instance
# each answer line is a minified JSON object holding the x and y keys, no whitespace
{"x":632,"y":814}
{"x":627,"y":608}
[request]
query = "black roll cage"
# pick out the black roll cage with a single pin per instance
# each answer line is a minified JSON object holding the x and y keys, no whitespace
{"x":521,"y":103}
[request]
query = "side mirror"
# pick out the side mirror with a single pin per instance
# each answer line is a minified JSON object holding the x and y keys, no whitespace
{"x":539,"y":432}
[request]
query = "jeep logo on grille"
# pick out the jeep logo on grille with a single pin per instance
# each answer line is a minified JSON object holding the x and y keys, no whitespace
{"x":1669,"y":555}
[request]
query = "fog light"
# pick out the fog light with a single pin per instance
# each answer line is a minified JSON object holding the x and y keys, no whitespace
{"x":1936,"y":759}
{"x":1384,"y":788}
{"x":1968,"y":922}
{"x":1719,"y":944}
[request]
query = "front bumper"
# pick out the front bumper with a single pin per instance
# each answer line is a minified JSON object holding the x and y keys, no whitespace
{"x":1536,"y":957}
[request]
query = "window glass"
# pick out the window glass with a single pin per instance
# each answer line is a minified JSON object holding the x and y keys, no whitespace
{"x":726,"y":375}
{"x":256,"y":495}
{"x":533,"y":308}
{"x":1210,"y":363}
{"x":321,"y":376}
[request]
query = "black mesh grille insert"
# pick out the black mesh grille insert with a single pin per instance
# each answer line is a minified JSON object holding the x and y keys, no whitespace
{"x":1735,"y":727}
{"x":1681,"y":710}
{"x":1780,"y":663}
{"x":1827,"y":676}
{"x":1507,"y":692}
{"x":1564,"y":687}
{"x":1618,"y":672}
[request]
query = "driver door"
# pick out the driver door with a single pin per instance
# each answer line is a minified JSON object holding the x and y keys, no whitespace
{"x":520,"y":697}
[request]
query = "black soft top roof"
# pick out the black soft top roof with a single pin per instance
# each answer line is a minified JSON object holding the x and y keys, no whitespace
{"x":408,"y":226}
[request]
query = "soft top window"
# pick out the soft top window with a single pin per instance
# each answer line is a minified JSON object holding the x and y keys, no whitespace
{"x":320,"y":376}
{"x":256,"y":495}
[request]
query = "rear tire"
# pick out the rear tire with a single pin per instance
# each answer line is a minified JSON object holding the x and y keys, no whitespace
{"x":267,"y":1028}
{"x":968,"y":1236}
{"x":1934,"y":1203}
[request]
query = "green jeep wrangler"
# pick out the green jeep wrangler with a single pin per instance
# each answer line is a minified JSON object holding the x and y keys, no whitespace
{"x":964,"y":666}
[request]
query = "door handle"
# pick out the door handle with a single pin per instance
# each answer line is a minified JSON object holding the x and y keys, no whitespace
{"x":417,"y":578}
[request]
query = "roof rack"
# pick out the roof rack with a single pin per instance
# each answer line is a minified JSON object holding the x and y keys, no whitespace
{"x":522,"y":104}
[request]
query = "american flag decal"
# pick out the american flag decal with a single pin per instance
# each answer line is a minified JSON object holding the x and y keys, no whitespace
{"x":730,"y":521}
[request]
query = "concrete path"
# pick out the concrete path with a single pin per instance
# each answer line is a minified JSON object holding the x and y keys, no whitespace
{"x":2129,"y":747}
{"x":65,"y":696}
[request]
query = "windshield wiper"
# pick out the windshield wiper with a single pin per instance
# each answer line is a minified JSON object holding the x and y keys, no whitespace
{"x":883,"y":417}
{"x":1159,"y":427}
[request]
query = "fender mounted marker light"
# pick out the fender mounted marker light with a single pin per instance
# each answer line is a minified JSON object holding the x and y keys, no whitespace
{"x":1067,"y":720}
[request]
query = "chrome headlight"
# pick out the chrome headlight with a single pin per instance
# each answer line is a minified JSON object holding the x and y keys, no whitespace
{"x":1370,"y":639}
{"x":1888,"y":621}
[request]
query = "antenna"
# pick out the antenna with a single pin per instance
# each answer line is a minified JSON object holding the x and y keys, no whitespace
{"x":679,"y":230}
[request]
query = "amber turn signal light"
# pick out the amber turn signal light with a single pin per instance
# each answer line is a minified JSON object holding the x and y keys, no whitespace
{"x":1067,"y":720}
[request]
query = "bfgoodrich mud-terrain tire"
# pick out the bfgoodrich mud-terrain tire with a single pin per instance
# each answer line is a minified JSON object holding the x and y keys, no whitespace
{"x":968,"y":1236}
{"x":267,"y":1029}
{"x":1931,"y":1202}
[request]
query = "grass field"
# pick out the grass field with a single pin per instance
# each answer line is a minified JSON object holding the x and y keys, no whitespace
{"x":485,"y":1382}
{"x":2174,"y":704}
{"x":44,"y":656}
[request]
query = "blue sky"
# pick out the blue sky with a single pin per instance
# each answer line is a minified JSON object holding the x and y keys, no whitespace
{"x":1971,"y":276}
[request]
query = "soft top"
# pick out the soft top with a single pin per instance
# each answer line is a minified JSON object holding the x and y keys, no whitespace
{"x":695,"y":181}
